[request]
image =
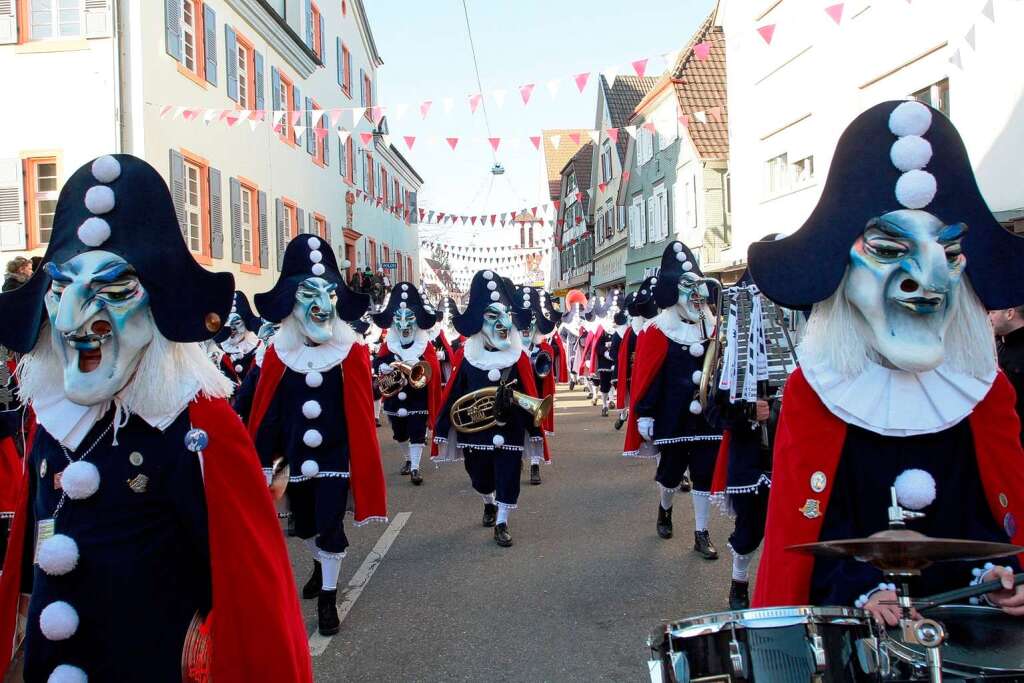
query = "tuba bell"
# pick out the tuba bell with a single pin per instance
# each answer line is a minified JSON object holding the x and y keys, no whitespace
{"x":541,"y":362}
{"x":488,"y":407}
{"x":402,"y":375}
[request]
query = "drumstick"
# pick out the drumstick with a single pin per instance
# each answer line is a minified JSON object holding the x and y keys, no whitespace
{"x":968,"y":592}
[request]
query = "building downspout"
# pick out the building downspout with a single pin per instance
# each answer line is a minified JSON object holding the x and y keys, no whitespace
{"x":119,"y":108}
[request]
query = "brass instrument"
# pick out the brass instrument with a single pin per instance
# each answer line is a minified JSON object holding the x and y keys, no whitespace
{"x":714,"y":350}
{"x":403,"y":375}
{"x":541,"y":362}
{"x":487,"y":407}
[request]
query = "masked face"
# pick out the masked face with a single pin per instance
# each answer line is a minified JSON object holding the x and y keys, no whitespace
{"x":267,"y":330}
{"x":314,"y":309}
{"x":529,"y":333}
{"x":693,"y":295}
{"x":100,"y":323}
{"x":904,"y":276}
{"x":404,"y":326}
{"x":497,"y":327}
{"x":237,"y":326}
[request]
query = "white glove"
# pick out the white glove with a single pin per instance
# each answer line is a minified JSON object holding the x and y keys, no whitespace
{"x":384,"y":369}
{"x":646,"y":427}
{"x":440,"y":355}
{"x":607,"y":355}
{"x":269,"y":474}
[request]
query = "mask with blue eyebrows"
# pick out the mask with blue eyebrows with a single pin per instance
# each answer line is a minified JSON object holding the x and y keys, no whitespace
{"x":903,"y":280}
{"x":315,"y":300}
{"x":403,"y":326}
{"x":100,"y":324}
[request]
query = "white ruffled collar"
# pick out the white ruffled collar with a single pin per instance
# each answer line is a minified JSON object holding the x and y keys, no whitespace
{"x":895,"y":402}
{"x":621,"y":330}
{"x":637,"y":322}
{"x":415,"y":350}
{"x":481,"y":359}
{"x":673,"y":327}
{"x":296,"y":355}
{"x":248,"y":342}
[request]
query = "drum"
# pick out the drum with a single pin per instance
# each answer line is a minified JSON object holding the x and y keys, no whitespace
{"x":776,"y":645}
{"x":981,"y":642}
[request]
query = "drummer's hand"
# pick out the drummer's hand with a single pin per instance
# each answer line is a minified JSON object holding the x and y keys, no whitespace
{"x":1011,"y":598}
{"x":384,"y":368}
{"x":883,"y":607}
{"x":762,"y":411}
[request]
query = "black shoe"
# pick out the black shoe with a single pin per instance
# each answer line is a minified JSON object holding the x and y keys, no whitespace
{"x":327,"y":619}
{"x":739,"y":598}
{"x":316,"y":581}
{"x":685,"y":484}
{"x":702,"y":544}
{"x":490,"y":514}
{"x":604,"y":411}
{"x":664,"y":522}
{"x":378,"y":421}
{"x":502,"y":536}
{"x":618,"y":423}
{"x":417,"y":479}
{"x":534,"y":474}
{"x":572,"y":385}
{"x":406,"y":468}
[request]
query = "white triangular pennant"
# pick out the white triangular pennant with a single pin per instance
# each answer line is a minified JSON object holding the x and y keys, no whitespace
{"x":609,"y":75}
{"x":254,"y":124}
{"x":700,"y":116}
{"x":211,"y":114}
{"x":970,"y":38}
{"x":299,"y":130}
{"x":956,"y":61}
{"x":556,"y":140}
{"x":630,"y":130}
{"x":552,"y":86}
{"x":670,"y":58}
{"x":989,"y":10}
{"x":357,"y":113}
{"x":448,"y":103}
{"x":279,"y":117}
{"x":595,"y":135}
{"x":398,"y":111}
{"x":178,"y":111}
{"x":344,"y":135}
{"x":499,"y":97}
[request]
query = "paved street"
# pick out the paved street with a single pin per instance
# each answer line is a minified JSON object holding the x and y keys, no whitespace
{"x":573,"y":599}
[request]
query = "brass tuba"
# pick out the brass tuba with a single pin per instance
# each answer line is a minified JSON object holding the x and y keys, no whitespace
{"x":541,"y":362}
{"x":487,"y":407}
{"x":709,"y":371}
{"x":402,"y":375}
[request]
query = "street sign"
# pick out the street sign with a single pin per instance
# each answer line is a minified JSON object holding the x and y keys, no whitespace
{"x":389,"y":265}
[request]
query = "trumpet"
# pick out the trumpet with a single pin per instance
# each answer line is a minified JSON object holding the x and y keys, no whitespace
{"x":403,"y":375}
{"x":488,"y":407}
{"x":709,"y":370}
{"x":541,"y":362}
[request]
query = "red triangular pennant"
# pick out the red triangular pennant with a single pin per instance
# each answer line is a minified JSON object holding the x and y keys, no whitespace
{"x":625,"y":176}
{"x":425,"y":108}
{"x":649,"y":126}
{"x":581,"y":80}
{"x":715,"y":113}
{"x":472,"y":220}
{"x":685,"y":120}
{"x":767,"y":31}
{"x":525,"y":91}
{"x":410,"y":140}
{"x":640,"y":66}
{"x":535,"y":139}
{"x":575,"y":137}
{"x":613,"y":133}
{"x":836,"y":12}
{"x":452,"y":142}
{"x":366,"y":137}
{"x":602,"y":186}
{"x":494,"y":143}
{"x":701,"y":50}
{"x":474,"y":102}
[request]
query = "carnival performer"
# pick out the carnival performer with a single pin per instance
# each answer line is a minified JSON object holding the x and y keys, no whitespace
{"x":593,"y":319}
{"x":409,"y":408}
{"x":313,"y":408}
{"x":559,"y":357}
{"x":898,"y":384}
{"x":602,"y":352}
{"x":667,"y":372}
{"x":533,"y":326}
{"x":238,"y":338}
{"x":493,"y":357}
{"x":139,"y":474}
{"x":573,"y":333}
{"x":640,"y":308}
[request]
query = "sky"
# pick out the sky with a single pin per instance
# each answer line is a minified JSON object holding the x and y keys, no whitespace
{"x":427,"y":56}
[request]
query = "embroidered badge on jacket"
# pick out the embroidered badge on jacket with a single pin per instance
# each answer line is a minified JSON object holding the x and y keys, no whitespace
{"x":139,"y":483}
{"x":811,"y":509}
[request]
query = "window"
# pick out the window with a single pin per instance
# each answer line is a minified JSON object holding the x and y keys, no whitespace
{"x":193,"y":207}
{"x":288,"y":96}
{"x":935,"y":95}
{"x":350,"y":168}
{"x":396,"y":194}
{"x":244,"y":56}
{"x":803,"y":171}
{"x":372,"y":256}
{"x":320,"y":138}
{"x":600,"y":226}
{"x":41,"y":196}
{"x":609,"y":219}
{"x":289,"y":218}
{"x":320,"y":226}
{"x":689,"y":202}
{"x":662,"y":220}
{"x":776,"y":169}
{"x":606,"y":161}
{"x":408,"y":268}
{"x":367,"y":99}
{"x":399,"y":267}
{"x":636,"y":222}
{"x":318,"y":34}
{"x":346,"y":70}
{"x":645,"y":144}
{"x":384,"y":190}
{"x":652,"y":220}
{"x":49,"y":19}
{"x":248,"y":223}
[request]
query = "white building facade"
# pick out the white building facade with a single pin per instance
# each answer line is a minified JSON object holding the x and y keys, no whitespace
{"x":115,"y":75}
{"x":790,"y":99}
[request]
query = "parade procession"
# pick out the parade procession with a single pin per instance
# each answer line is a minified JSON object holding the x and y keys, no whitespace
{"x":664,"y":399}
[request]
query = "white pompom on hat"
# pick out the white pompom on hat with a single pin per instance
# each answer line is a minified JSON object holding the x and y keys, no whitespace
{"x":93,"y":232}
{"x":910,"y":118}
{"x":100,"y":199}
{"x":106,"y":169}
{"x":910,"y":152}
{"x":916,"y":189}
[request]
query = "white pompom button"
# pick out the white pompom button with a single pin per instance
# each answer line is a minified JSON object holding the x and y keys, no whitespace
{"x":492,"y":285}
{"x":100,"y":199}
{"x":910,"y":118}
{"x":66,"y":673}
{"x":677,"y":247}
{"x":494,"y":375}
{"x":314,"y":379}
{"x":695,"y":407}
{"x":57,"y":555}
{"x":488,"y":275}
{"x":238,"y":368}
{"x":311,"y":410}
{"x":910,"y":152}
{"x":313,"y":243}
{"x":402,"y":396}
{"x":495,"y":296}
{"x":58,"y":621}
{"x":916,"y":189}
{"x":697,"y":374}
{"x":93,"y":232}
{"x":318,"y":269}
{"x":106,"y":169}
{"x":310,"y":468}
{"x":696,"y":349}
{"x":498,"y":440}
{"x":80,"y":480}
{"x":316,"y":256}
{"x":402,"y":412}
{"x":312,"y":438}
{"x":915,"y":489}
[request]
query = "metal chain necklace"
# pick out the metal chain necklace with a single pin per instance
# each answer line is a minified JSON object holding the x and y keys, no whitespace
{"x":83,"y":456}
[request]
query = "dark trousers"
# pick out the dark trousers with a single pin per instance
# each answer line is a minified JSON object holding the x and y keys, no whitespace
{"x":606,"y":381}
{"x":411,"y":428}
{"x":751,"y":514}
{"x":699,"y":456}
{"x":495,"y":472}
{"x":318,"y":509}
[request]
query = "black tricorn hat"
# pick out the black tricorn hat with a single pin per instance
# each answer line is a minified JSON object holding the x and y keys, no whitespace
{"x":896,"y":155}
{"x":240,"y":305}
{"x":527,"y":308}
{"x":547,"y":305}
{"x":675,"y":260}
{"x":644,"y":303}
{"x":405,"y":295}
{"x":450,"y":308}
{"x":486,"y":288}
{"x":308,"y":256}
{"x":120,"y":204}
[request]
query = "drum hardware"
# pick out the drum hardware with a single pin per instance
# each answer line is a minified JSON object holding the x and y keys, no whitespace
{"x":488,"y":407}
{"x":402,"y":375}
{"x":736,"y":657}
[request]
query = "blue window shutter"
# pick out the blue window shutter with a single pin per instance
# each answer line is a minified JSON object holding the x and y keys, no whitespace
{"x":261,"y":89}
{"x":282,"y":238}
{"x":236,"y":220}
{"x":216,"y":215}
{"x":326,"y":142}
{"x":232,"y":61}
{"x":308,"y":11}
{"x":341,"y":156}
{"x":296,"y":100}
{"x":323,"y":45}
{"x":310,"y":136}
{"x":264,"y":238}
{"x":177,"y":187}
{"x":357,"y":157}
{"x":210,"y":43}
{"x":341,"y":62}
{"x":275,"y":89}
{"x":362,"y":88}
{"x":172,"y":27}
{"x":300,"y":221}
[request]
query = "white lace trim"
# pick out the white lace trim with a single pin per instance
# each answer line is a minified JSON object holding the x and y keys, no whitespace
{"x":895,"y":402}
{"x":481,"y":359}
{"x":394,"y":413}
{"x":687,"y":439}
{"x":382,"y":520}
{"x":506,"y":506}
{"x":248,"y":342}
{"x":415,"y":350}
{"x":673,"y":327}
{"x":647,"y":451}
{"x":320,"y":475}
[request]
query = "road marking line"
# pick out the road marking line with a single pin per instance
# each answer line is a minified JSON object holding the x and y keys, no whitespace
{"x":318,"y":643}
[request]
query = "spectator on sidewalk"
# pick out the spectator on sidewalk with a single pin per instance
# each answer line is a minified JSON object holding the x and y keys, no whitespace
{"x":19,"y":270}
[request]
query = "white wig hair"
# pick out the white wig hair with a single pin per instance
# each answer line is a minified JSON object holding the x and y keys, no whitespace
{"x":837,"y":335}
{"x":168,"y":376}
{"x":290,"y":335}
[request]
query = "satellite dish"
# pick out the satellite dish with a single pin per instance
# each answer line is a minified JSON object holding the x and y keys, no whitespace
{"x":498,"y":169}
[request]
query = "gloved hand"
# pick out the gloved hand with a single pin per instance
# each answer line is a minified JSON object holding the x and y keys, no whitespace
{"x":384,"y":368}
{"x":607,"y":355}
{"x":440,"y":355}
{"x":646,"y":427}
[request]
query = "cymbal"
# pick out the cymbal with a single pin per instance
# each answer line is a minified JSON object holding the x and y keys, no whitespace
{"x":906,"y":551}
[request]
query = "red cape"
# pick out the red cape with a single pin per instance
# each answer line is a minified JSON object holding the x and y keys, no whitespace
{"x":563,"y":363}
{"x":446,"y":344}
{"x":810,"y":439}
{"x":720,"y":479}
{"x":622,"y":370}
{"x":366,"y":479}
{"x":548,"y":389}
{"x":651,"y":349}
{"x":434,"y":385}
{"x":228,"y":368}
{"x":590,"y":351}
{"x":256,"y":626}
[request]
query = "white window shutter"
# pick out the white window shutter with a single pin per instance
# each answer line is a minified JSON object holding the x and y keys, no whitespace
{"x":12,"y":214}
{"x":97,"y":18}
{"x":8,"y":22}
